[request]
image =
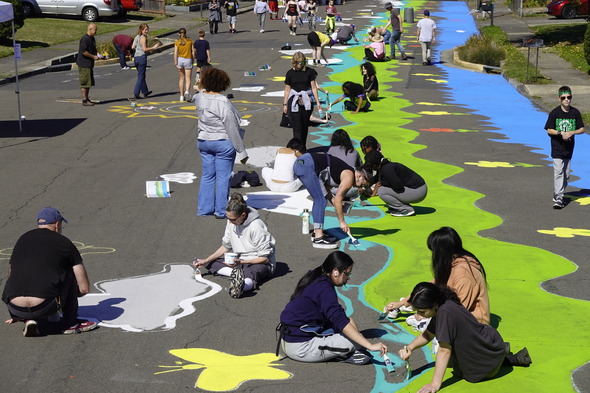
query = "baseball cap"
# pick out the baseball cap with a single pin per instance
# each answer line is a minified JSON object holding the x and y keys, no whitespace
{"x":49,"y":215}
{"x":426,"y":12}
{"x":388,"y":5}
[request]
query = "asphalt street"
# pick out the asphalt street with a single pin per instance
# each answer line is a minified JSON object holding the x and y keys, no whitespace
{"x":92,"y":164}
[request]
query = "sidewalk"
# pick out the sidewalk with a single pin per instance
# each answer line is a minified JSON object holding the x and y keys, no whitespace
{"x":59,"y":57}
{"x":550,"y":65}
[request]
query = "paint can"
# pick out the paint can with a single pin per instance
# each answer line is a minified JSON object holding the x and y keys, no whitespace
{"x":230,"y":258}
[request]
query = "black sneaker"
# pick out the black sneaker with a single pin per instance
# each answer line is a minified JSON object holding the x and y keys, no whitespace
{"x":558,"y":205}
{"x":236,"y":283}
{"x":324,"y":242}
{"x":327,"y":237}
{"x":358,"y":357}
{"x":30,"y":329}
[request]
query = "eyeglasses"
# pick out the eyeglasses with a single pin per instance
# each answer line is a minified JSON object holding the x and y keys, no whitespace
{"x":233,"y":220}
{"x":569,"y":98}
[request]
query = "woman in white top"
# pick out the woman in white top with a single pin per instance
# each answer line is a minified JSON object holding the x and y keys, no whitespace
{"x":281,"y":178}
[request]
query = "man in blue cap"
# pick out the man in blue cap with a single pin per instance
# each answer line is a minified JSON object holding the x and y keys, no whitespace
{"x":46,"y":277}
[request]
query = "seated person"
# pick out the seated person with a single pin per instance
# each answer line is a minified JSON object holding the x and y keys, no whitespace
{"x":314,"y":326}
{"x":370,"y":82}
{"x":478,"y":351}
{"x":357,"y":99}
{"x":280,"y":178}
{"x":246,"y":235}
{"x":375,"y":51}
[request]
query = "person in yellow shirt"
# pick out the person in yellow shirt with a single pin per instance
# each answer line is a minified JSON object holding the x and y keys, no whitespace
{"x":183,"y":60}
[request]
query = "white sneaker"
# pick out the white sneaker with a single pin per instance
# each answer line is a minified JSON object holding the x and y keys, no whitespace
{"x":262,"y":30}
{"x":417,"y":325}
{"x":181,"y":98}
{"x":187,"y":96}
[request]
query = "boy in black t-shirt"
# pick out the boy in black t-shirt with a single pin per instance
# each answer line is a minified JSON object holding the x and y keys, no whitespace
{"x":563,"y":123}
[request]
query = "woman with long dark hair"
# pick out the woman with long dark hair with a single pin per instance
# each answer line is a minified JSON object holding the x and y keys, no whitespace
{"x":314,"y":326}
{"x":357,"y":100}
{"x":478,"y":351}
{"x":341,"y":147}
{"x":370,"y":82}
{"x":458,"y":269}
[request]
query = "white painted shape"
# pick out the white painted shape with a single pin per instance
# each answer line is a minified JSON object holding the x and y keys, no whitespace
{"x":279,"y":93}
{"x":181,"y":177}
{"x":292,"y":51}
{"x":262,"y":156}
{"x":249,"y":88}
{"x":286,"y":203}
{"x":148,"y":303}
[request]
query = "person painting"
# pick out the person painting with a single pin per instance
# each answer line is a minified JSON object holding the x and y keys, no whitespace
{"x":281,"y":178}
{"x":357,"y":100}
{"x":477,"y":350}
{"x":314,"y":326}
{"x":300,"y":88}
{"x":319,"y":172}
{"x":246,"y":235}
{"x":458,"y":269}
{"x":397,"y":185}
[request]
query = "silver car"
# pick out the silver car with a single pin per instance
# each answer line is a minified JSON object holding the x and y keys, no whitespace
{"x":90,"y":10}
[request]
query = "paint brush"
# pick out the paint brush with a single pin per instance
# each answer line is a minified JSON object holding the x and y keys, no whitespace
{"x":408,"y":368}
{"x":388,"y":363}
{"x":353,"y":240}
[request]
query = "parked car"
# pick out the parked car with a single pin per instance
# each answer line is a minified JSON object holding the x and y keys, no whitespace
{"x":90,"y":10}
{"x":129,"y":5}
{"x":568,"y":9}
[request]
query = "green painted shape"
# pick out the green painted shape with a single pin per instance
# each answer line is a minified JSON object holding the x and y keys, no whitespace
{"x":529,"y":314}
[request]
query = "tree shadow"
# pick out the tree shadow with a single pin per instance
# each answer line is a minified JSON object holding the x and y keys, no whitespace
{"x":43,"y":128}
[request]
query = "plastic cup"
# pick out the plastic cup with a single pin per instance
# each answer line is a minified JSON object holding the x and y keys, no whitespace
{"x":230,"y":258}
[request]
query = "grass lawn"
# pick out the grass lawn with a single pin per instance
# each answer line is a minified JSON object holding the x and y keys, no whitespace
{"x":567,"y":41}
{"x":42,"y":32}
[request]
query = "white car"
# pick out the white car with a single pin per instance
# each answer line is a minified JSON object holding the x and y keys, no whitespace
{"x":89,"y":10}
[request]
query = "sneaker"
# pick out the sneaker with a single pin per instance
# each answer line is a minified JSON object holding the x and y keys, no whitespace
{"x":81,"y":326}
{"x":126,"y":68}
{"x":324,"y":242}
{"x":424,"y":63}
{"x":30,"y":329}
{"x":262,"y":30}
{"x":187,"y":96}
{"x":181,"y":98}
{"x":87,"y":103}
{"x":326,"y":236}
{"x":236,"y":283}
{"x":417,"y":325}
{"x":147,"y":94}
{"x":358,"y":357}
{"x":397,"y":213}
{"x":521,"y":358}
{"x":404,"y":57}
{"x":558,"y":205}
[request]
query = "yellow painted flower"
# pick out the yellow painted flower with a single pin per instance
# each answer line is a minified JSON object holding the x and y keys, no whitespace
{"x":223,"y":372}
{"x":491,"y":164}
{"x":565,"y":232}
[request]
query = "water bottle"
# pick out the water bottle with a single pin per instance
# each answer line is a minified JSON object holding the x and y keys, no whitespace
{"x":321,"y":114}
{"x":305,"y":222}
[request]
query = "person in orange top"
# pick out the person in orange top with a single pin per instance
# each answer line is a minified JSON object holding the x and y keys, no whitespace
{"x":458,"y":269}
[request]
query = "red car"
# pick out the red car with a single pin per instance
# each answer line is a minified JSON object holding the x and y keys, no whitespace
{"x":129,"y":5}
{"x":567,"y":9}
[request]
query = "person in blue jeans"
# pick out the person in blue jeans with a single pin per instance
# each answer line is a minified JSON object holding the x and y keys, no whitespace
{"x":397,"y":29}
{"x":220,"y":140}
{"x":319,"y":172}
{"x":140,"y":59}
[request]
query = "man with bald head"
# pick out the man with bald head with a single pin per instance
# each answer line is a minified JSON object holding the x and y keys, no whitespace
{"x":46,"y":277}
{"x":87,"y":54}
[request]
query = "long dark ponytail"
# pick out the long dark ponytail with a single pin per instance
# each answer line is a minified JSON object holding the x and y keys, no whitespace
{"x":335,"y":260}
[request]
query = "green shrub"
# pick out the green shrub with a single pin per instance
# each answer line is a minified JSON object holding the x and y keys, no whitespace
{"x":481,"y":49}
{"x":534,"y":3}
{"x":19,"y":21}
{"x":587,"y":45}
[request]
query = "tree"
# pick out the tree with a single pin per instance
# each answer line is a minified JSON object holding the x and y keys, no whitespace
{"x":19,"y":20}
